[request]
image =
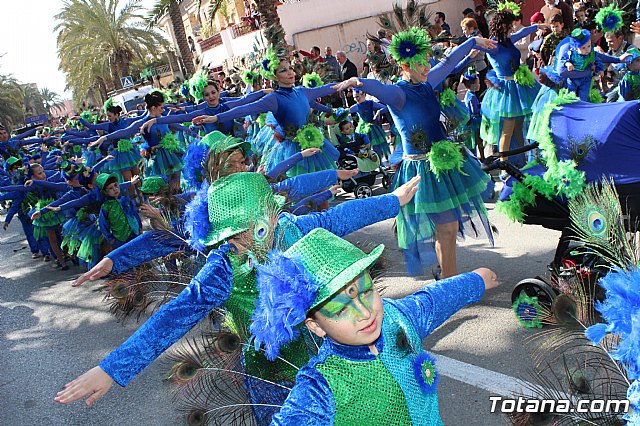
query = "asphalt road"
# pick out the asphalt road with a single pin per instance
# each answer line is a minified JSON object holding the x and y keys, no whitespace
{"x":51,"y":333}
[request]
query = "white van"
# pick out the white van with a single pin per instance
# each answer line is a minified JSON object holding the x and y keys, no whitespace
{"x":130,"y":98}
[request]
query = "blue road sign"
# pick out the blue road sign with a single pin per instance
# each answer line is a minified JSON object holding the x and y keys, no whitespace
{"x":36,"y":119}
{"x":126,"y":82}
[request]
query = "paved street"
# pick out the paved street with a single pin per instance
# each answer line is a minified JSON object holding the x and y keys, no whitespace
{"x":52,"y":332}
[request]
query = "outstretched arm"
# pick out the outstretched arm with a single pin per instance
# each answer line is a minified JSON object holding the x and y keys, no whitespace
{"x":389,"y":94}
{"x":523,"y":32}
{"x":318,"y":92}
{"x":100,"y":126}
{"x":448,"y":64}
{"x":126,"y":132}
{"x":251,"y":97}
{"x":264,"y":104}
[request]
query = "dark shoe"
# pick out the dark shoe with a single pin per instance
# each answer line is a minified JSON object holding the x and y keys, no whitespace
{"x":436,"y":271}
{"x":35,"y":255}
{"x":64,"y":267}
{"x":47,"y":258}
{"x":57,"y":264}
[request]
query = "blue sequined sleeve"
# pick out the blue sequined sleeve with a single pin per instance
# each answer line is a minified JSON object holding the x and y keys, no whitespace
{"x":209,"y":289}
{"x":144,"y":248}
{"x":310,"y":402}
{"x":431,"y":306}
{"x":349,"y":216}
{"x":307,"y":184}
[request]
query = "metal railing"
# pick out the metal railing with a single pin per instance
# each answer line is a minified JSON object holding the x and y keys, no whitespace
{"x":244,"y":28}
{"x":211,"y":42}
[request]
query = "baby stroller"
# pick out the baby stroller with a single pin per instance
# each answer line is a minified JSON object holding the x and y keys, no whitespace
{"x":613,"y":135}
{"x":369,"y":167}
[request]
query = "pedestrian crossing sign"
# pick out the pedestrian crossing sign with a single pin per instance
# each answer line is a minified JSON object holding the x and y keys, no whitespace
{"x":126,"y":82}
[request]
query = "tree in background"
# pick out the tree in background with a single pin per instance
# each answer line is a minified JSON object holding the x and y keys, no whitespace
{"x":11,"y":102}
{"x":97,"y":41}
{"x":52,"y":101}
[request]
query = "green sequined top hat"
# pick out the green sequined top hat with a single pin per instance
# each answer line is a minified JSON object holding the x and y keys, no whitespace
{"x":411,"y":47}
{"x":102,"y":179}
{"x":153,"y":185}
{"x":333,"y":262}
{"x":235,"y":201}
{"x":12,"y":160}
{"x":219,"y":142}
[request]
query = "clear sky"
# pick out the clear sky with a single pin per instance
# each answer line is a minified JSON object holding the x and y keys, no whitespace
{"x":28,"y":43}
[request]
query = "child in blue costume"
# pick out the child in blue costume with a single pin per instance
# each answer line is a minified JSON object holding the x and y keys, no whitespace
{"x":449,"y":200}
{"x":350,"y":142}
{"x":290,"y":105}
{"x":369,"y":113}
{"x":629,"y":86}
{"x":165,"y":157}
{"x":46,"y":226}
{"x":119,"y":220}
{"x":250,"y":229}
{"x":581,"y":57}
{"x":371,"y":368}
{"x":472,"y":84}
{"x":507,"y":106}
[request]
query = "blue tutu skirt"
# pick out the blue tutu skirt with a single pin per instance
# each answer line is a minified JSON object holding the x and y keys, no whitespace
{"x":89,"y":251}
{"x":378,"y":140}
{"x":71,"y":235}
{"x":511,"y":100}
{"x":263,"y":141}
{"x":164,"y":163}
{"x":457,"y":114}
{"x":452,"y":197}
{"x":545,"y":96}
{"x":324,"y":160}
{"x":124,"y":160}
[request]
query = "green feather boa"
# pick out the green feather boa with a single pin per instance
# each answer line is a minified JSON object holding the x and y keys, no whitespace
{"x":444,"y":156}
{"x":448,"y":98}
{"x":309,"y":137}
{"x":524,"y":77}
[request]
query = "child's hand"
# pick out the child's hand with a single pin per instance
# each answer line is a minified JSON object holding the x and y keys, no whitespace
{"x":334,"y":189}
{"x":95,"y":382}
{"x":406,"y":192}
{"x":53,"y":208}
{"x":489,"y":277}
{"x":28,"y":183}
{"x":309,"y":152}
{"x":150,"y":211}
{"x":570,"y":66}
{"x":103,"y":268}
{"x":35,"y":215}
{"x":135,"y":180}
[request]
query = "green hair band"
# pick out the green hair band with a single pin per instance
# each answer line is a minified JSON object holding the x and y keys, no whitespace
{"x":609,"y":19}
{"x":312,"y":80}
{"x":411,"y":47}
{"x":509,"y":6}
{"x":270,"y":63}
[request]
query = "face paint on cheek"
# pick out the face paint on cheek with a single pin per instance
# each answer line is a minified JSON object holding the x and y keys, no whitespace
{"x":344,"y":306}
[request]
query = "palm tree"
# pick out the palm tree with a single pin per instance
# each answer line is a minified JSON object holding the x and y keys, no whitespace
{"x":97,"y":40}
{"x":33,"y":102}
{"x":11,"y":101}
{"x":270,"y":21}
{"x":52,"y":101}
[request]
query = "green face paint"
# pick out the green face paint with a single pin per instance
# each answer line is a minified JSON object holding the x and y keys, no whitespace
{"x":350,"y":303}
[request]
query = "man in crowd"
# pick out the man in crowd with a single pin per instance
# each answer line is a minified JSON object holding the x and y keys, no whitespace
{"x":439,"y":19}
{"x":332,"y":61}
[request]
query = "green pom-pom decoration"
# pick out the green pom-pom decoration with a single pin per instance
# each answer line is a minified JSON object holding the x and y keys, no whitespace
{"x":513,"y":210}
{"x":411,"y":47}
{"x":309,"y":137}
{"x":197,"y":83}
{"x":262,"y":119}
{"x":170,"y":142}
{"x":312,"y":80}
{"x":124,"y":145}
{"x":510,"y":6}
{"x":594,"y":96}
{"x":363,"y":127}
{"x":270,"y":63}
{"x":108,"y":104}
{"x":528,"y":311}
{"x":249,"y":77}
{"x":445,"y":156}
{"x":448,"y":98}
{"x":610,"y":19}
{"x":524,"y":77}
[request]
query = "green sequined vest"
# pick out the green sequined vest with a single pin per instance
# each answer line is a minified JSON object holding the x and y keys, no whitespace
{"x":118,"y":223}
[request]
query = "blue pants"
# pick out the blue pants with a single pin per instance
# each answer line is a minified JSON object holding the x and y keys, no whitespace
{"x":580,"y":86}
{"x":27,"y":228}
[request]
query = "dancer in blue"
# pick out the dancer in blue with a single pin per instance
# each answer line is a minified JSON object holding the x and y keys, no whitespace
{"x":369,"y":113}
{"x":239,"y":213}
{"x":507,"y":106}
{"x":290,"y":105}
{"x":449,"y":199}
{"x":165,"y":157}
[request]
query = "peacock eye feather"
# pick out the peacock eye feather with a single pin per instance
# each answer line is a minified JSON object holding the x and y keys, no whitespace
{"x":597,"y":223}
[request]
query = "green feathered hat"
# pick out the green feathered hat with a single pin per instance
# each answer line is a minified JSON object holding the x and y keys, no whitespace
{"x":153,"y":185}
{"x":197,"y":83}
{"x":610,"y":19}
{"x":312,"y":80}
{"x":234,"y":202}
{"x":108,"y":104}
{"x":249,"y":77}
{"x":411,"y":47}
{"x":270,"y":63}
{"x":219,"y":142}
